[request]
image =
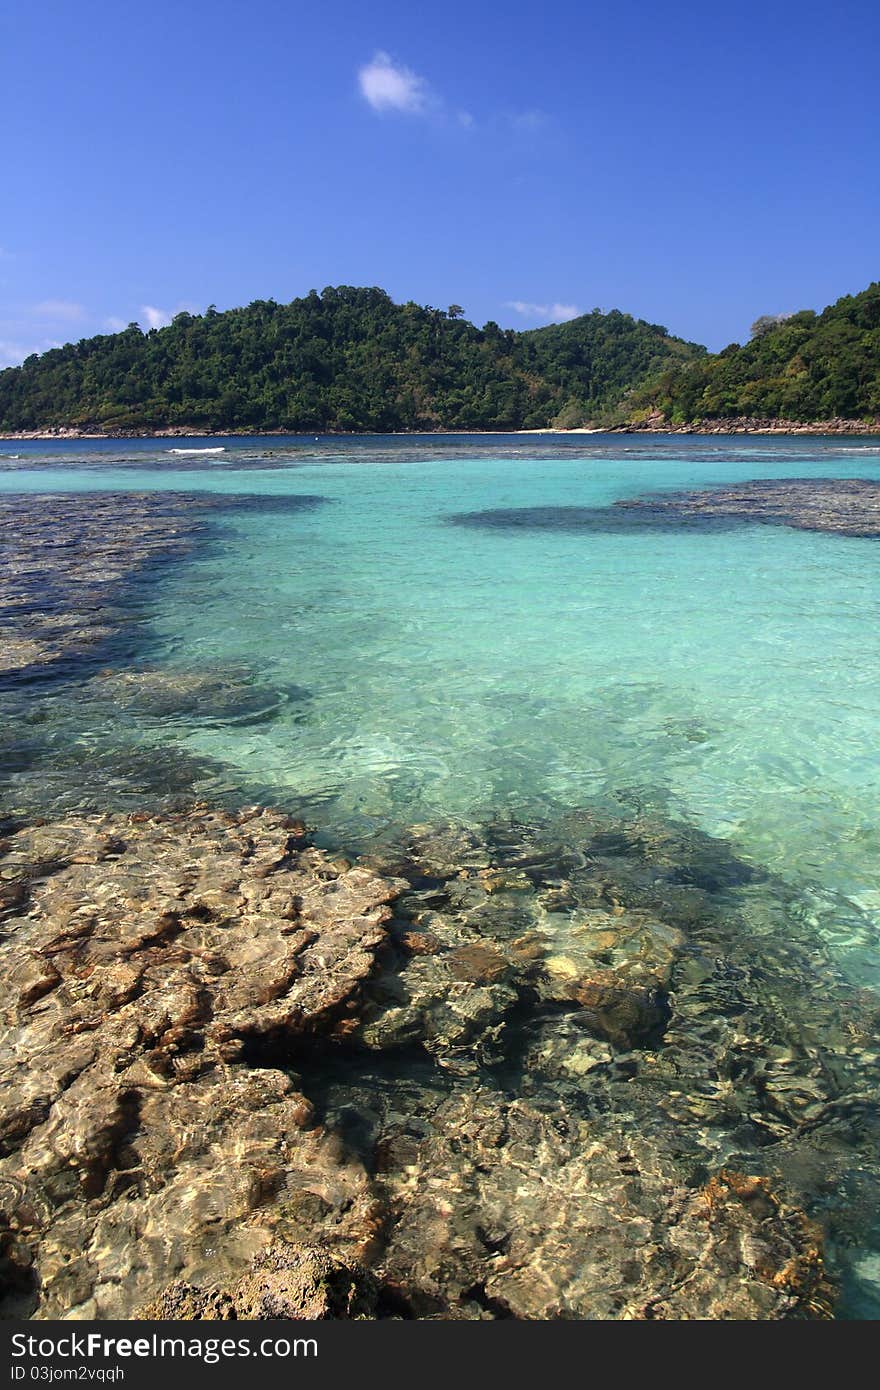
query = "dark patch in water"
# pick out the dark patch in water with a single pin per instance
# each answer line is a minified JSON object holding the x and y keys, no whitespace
{"x":841,"y":506}
{"x":76,"y":566}
{"x":264,"y":505}
{"x":600,"y":520}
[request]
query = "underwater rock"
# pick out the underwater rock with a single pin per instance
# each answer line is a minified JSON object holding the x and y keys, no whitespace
{"x":844,"y":506}
{"x":569,"y":1071}
{"x":228,"y":694}
{"x":286,"y":1283}
{"x":17,"y":653}
{"x":612,"y":520}
{"x":142,"y":958}
{"x":505,"y":932}
{"x":100,"y":774}
{"x":66,"y":562}
{"x":617,"y":966}
{"x":69,"y":560}
{"x":541,"y":1215}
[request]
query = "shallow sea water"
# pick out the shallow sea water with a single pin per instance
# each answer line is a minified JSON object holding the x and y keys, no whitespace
{"x":426,"y":671}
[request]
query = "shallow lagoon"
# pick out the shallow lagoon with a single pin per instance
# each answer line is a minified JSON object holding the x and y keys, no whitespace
{"x":727,"y":677}
{"x":424,"y":671}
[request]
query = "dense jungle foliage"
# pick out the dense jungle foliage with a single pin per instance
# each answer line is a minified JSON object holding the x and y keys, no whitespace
{"x":345,"y":359}
{"x":803,"y":367}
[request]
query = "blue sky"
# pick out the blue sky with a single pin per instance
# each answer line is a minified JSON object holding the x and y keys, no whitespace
{"x":695,"y":165}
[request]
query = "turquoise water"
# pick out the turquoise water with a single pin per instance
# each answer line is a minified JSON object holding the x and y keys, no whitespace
{"x":421,"y":671}
{"x":728,"y":678}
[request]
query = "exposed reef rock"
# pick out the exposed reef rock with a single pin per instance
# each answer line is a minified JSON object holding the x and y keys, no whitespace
{"x":570,"y":1072}
{"x":843,"y":506}
{"x":284,"y":1283}
{"x":140,"y":960}
{"x":68,"y":560}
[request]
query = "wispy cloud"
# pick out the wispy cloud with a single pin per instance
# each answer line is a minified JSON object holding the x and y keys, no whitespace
{"x":155,"y":318}
{"x":551,"y":313}
{"x":389,"y":86}
{"x":64,"y":309}
{"x":14,"y":353}
{"x":29,"y":330}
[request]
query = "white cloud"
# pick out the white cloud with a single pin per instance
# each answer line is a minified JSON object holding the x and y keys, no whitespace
{"x":388,"y":86}
{"x":114,"y":324}
{"x":60,"y":309}
{"x":14,"y":353}
{"x":155,"y":318}
{"x":553,"y":313}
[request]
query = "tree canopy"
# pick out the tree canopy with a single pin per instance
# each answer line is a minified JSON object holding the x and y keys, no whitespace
{"x":802,"y":367}
{"x":345,"y":359}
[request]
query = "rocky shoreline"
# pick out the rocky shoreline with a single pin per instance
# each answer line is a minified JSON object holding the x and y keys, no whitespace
{"x":518,"y":1072}
{"x":655,"y":423}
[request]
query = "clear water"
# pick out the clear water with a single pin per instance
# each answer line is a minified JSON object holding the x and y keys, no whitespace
{"x":727,"y":678}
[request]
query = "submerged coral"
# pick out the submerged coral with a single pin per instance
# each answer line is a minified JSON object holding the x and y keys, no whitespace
{"x":579,"y":1071}
{"x":843,"y":506}
{"x":69,"y":561}
{"x":230,"y":694}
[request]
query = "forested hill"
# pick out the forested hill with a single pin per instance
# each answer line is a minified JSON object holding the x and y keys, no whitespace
{"x":346,"y":359}
{"x":803,"y":367}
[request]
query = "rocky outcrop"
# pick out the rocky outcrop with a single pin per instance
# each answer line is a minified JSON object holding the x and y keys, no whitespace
{"x":141,"y":961}
{"x":284,"y":1283}
{"x":522,"y":1072}
{"x":655,"y":422}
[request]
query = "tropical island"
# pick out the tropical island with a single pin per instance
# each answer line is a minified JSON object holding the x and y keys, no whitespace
{"x":352,"y":360}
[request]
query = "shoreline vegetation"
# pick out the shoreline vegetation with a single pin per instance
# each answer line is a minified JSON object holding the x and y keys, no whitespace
{"x":346,"y":360}
{"x":351,"y":361}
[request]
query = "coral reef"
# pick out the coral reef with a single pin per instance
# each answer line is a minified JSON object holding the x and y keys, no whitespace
{"x":520,"y":1071}
{"x":842,"y":506}
{"x":69,"y":560}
